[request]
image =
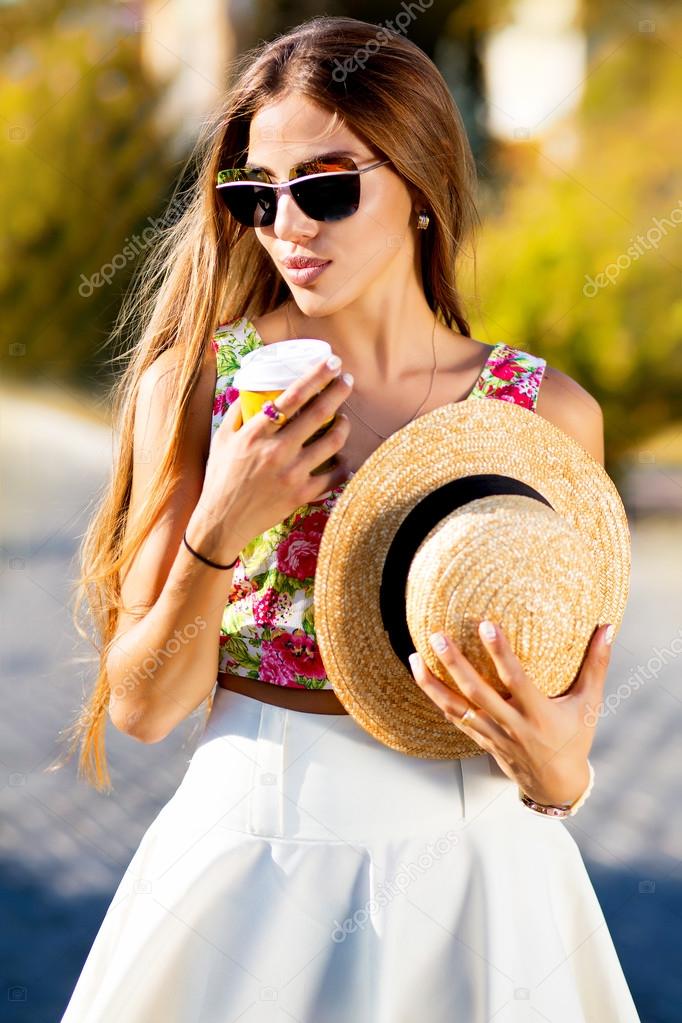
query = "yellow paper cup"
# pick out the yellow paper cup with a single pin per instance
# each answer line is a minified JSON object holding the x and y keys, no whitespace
{"x":280,"y":363}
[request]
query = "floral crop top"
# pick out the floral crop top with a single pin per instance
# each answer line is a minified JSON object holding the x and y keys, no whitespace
{"x":267,"y":630}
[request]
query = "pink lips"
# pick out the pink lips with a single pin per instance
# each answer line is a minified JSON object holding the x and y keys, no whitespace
{"x":306,"y":274}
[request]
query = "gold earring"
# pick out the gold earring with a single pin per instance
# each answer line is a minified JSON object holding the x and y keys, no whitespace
{"x":423,"y":221}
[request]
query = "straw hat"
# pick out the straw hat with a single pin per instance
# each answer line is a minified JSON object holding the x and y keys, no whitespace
{"x":474,"y":510}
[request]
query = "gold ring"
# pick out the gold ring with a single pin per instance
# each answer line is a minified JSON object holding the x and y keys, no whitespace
{"x":468,"y":715}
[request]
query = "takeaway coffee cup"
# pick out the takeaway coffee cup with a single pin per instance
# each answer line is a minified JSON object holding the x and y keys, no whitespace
{"x":268,"y":370}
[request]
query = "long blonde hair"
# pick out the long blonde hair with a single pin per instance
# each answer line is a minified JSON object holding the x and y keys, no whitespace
{"x":206,"y":269}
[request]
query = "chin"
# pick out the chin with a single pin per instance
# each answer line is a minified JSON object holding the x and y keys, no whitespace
{"x":316,"y":305}
{"x":336,"y":299}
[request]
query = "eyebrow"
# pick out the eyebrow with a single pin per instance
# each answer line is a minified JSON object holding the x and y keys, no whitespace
{"x":314,"y":156}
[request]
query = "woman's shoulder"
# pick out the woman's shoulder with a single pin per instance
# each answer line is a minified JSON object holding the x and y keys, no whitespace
{"x":515,"y":374}
{"x":570,"y":407}
{"x":159,"y":379}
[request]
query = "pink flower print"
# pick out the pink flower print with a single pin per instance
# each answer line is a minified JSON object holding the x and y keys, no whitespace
{"x":313,"y":522}
{"x":271,"y":605}
{"x":328,"y":499}
{"x":297,"y":554}
{"x":514,"y":394}
{"x":507,"y":370}
{"x":224,"y":400}
{"x":289,"y":654}
{"x":241,"y":589}
{"x":217,"y":405}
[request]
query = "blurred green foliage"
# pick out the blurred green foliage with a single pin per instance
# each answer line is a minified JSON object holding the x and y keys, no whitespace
{"x":88,"y":172}
{"x":614,"y":209}
{"x":84,"y":167}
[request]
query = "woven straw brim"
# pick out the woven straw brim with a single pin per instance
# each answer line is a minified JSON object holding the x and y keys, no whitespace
{"x":456,"y":440}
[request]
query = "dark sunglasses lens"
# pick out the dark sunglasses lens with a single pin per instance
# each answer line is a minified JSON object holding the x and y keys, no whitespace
{"x":328,"y":197}
{"x":251,"y":205}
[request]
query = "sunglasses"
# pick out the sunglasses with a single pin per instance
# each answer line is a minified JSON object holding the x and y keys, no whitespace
{"x":324,"y":189}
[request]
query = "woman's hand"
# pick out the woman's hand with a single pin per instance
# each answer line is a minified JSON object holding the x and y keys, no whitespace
{"x":258,"y":473}
{"x":540,"y":742}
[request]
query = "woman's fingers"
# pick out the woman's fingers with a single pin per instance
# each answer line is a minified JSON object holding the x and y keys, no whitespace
{"x":292,"y":400}
{"x":476,"y":690}
{"x":482,"y":728}
{"x":328,"y":444}
{"x":509,"y":669}
{"x":589,"y":683}
{"x":232,"y":420}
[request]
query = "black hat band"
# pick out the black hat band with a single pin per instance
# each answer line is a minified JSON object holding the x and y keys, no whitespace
{"x":418,"y":523}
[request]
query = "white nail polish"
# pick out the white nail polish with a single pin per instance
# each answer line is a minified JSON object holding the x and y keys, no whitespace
{"x":333,"y":362}
{"x":487,"y":630}
{"x":438,"y":642}
{"x":348,"y":379}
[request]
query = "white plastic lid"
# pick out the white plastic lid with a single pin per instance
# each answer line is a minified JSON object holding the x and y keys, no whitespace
{"x":274,"y":366}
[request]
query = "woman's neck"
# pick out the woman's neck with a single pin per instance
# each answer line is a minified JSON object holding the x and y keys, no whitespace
{"x":382,"y":342}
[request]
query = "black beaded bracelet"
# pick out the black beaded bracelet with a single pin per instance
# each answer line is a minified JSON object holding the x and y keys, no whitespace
{"x":207,"y":561}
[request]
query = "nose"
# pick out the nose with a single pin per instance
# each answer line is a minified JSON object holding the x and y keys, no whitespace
{"x":290,"y":220}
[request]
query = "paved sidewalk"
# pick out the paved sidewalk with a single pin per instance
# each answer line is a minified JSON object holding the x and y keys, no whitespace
{"x":64,"y":847}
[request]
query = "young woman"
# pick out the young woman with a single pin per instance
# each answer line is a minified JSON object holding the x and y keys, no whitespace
{"x":303,"y":870}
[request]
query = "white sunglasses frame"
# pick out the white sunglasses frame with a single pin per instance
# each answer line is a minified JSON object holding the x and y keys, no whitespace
{"x":284,"y":187}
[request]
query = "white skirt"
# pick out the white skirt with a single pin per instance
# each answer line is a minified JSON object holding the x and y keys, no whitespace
{"x":304,"y":872}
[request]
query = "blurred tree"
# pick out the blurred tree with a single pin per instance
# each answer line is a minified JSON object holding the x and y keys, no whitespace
{"x":581,"y":262}
{"x":79,"y":130}
{"x":85,"y":179}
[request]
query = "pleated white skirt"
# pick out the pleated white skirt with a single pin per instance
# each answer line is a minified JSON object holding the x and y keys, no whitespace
{"x":304,"y":872}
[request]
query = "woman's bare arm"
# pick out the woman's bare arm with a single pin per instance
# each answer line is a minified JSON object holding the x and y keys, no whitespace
{"x":164,"y":661}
